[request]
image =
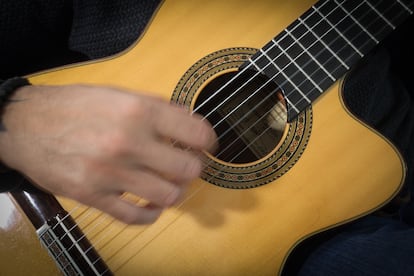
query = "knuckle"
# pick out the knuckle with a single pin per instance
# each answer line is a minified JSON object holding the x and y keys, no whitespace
{"x":136,"y":108}
{"x":113,"y":144}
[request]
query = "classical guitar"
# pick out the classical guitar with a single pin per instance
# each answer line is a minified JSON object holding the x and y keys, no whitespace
{"x":292,"y":160}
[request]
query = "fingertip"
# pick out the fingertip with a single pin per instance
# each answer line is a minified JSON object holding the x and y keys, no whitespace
{"x":173,"y":197}
{"x":207,"y":137}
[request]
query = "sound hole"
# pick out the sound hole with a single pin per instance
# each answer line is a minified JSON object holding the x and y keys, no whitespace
{"x":248,"y":113}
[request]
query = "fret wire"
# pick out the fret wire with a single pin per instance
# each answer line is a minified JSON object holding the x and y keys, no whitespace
{"x":326,"y":46}
{"x":357,"y":22}
{"x":295,"y":63}
{"x":390,"y":13}
{"x":310,"y":54}
{"x":372,"y":21}
{"x":330,"y":36}
{"x":380,"y":14}
{"x":405,"y":7}
{"x":283,"y":73}
{"x":339,"y":32}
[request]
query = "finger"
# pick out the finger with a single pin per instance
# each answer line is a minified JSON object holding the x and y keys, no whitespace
{"x":171,"y":162}
{"x":151,"y":187}
{"x":126,"y":211}
{"x":191,"y":130}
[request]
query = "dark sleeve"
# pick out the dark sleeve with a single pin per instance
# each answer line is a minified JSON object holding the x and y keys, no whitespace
{"x":40,"y":34}
{"x":34,"y":36}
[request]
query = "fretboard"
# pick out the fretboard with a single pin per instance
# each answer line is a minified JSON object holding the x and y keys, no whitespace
{"x":324,"y":43}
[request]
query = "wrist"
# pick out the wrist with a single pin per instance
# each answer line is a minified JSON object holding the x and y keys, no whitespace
{"x":7,"y":88}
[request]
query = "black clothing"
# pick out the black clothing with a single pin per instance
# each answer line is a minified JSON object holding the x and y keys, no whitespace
{"x":39,"y":34}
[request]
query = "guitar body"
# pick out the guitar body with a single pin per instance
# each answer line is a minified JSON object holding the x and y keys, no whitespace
{"x":345,"y":169}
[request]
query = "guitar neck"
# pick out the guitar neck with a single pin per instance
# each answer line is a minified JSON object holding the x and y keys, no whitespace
{"x":323,"y":44}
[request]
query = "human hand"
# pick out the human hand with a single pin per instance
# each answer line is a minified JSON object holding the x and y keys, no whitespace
{"x":93,"y":144}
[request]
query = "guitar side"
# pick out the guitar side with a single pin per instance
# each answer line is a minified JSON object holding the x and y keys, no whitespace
{"x":347,"y":170}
